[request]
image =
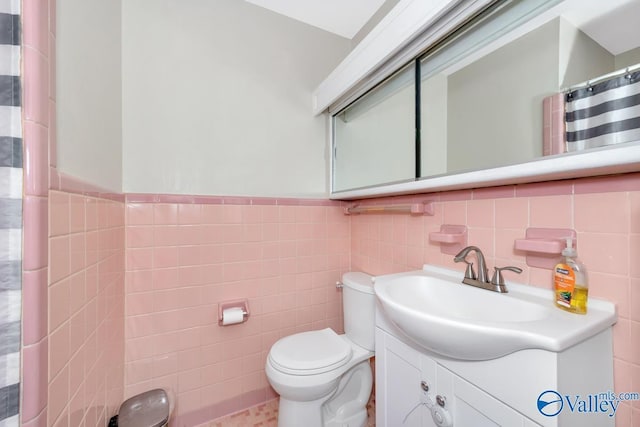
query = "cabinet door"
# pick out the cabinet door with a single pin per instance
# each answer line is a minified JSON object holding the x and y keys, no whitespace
{"x":472,"y":406}
{"x":400,"y":370}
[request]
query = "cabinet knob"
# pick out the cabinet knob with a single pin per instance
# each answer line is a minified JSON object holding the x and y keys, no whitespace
{"x":424,"y":386}
{"x":441,"y":400}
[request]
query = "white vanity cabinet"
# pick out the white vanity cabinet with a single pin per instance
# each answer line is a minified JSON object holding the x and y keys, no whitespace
{"x":405,"y":372}
{"x":498,"y":392}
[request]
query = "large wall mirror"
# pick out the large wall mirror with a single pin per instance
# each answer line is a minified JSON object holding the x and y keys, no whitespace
{"x":494,"y":93}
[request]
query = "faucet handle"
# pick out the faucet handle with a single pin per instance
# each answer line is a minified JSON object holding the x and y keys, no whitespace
{"x":469,"y":273}
{"x":497,"y":278}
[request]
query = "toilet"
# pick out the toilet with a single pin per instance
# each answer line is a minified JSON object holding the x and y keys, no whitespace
{"x":324,"y":379}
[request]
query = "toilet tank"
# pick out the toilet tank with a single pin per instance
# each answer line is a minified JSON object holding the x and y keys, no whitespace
{"x":359,"y":308}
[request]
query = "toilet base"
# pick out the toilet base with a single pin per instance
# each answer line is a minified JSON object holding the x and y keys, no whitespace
{"x":309,"y":414}
{"x":294,"y":414}
{"x":346,"y":406}
{"x":356,"y":420}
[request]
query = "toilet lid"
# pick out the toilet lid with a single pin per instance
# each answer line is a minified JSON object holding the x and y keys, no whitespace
{"x":309,"y":353}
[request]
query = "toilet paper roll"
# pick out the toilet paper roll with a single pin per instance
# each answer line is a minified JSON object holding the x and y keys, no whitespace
{"x":233,"y":315}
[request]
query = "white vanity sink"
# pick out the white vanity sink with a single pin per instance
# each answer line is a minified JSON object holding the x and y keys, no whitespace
{"x":436,"y":311}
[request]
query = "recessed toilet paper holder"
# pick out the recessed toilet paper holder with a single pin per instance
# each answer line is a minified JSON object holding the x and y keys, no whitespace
{"x":241,"y":303}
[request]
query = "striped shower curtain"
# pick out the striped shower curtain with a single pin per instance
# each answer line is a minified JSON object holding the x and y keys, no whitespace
{"x":604,"y":114}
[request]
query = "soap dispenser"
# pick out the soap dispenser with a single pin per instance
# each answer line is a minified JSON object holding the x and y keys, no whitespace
{"x":571,"y":281}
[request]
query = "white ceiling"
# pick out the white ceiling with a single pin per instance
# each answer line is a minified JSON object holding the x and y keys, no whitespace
{"x":342,"y":17}
{"x":613,"y":24}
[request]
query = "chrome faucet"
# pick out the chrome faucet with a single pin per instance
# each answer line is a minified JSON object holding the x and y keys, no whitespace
{"x":481,"y":280}
{"x":482,"y":266}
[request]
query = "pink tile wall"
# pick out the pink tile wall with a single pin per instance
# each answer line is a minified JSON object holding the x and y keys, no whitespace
{"x":85,"y":381}
{"x":605,"y":212}
{"x":39,"y":104}
{"x":183,"y":259}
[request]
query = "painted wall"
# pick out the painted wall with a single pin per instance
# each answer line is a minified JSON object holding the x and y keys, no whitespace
{"x":185,"y":256}
{"x":89,"y":102}
{"x":608,"y":243}
{"x":581,"y":57}
{"x":375,"y":20}
{"x":628,"y":58}
{"x":11,"y":189}
{"x":217,"y":99}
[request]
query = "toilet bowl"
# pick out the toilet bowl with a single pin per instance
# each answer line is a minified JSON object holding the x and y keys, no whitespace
{"x":324,"y":379}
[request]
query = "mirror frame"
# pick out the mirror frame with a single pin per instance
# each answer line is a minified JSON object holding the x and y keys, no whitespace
{"x":350,"y":80}
{"x":601,"y":161}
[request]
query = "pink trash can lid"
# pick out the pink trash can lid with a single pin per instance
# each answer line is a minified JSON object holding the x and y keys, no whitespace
{"x":148,"y":409}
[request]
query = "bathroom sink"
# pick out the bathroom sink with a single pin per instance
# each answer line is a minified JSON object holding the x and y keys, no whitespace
{"x":436,"y":311}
